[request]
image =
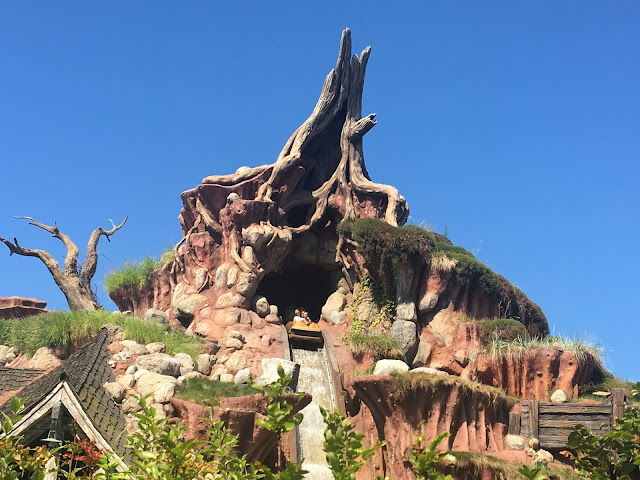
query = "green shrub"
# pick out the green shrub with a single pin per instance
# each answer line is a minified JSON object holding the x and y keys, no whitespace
{"x":345,"y":450}
{"x":209,"y":392}
{"x":426,"y":460}
{"x":60,"y":329}
{"x":505,"y":329}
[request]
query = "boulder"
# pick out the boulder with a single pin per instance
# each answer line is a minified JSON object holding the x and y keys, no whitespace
{"x":134,"y":347}
{"x":338,"y":318}
{"x":260,"y":305}
{"x":406,"y":311}
{"x":387,"y":367}
{"x":156,"y":347}
{"x":185,"y":305}
{"x":461,"y":357}
{"x":233,"y":343}
{"x":237,"y":361}
{"x":236,"y":334}
{"x":131,"y":369}
{"x":406,"y":333}
{"x":542,"y":457}
{"x":122,"y":356}
{"x":115,"y":390}
{"x":271,"y":318}
{"x":159,"y":410}
{"x":44,"y":359}
{"x":423,"y":354}
{"x":514,"y":442}
{"x":269,"y":370}
{"x":7,"y":354}
{"x":226,"y":378}
{"x":139,"y":372}
{"x":186,"y":363}
{"x":160,"y":363}
{"x":559,"y":396}
{"x":273,"y":310}
{"x":230,"y":299}
{"x":193,"y":374}
{"x":160,"y":387}
{"x":127,"y":381}
{"x":200,"y":278}
{"x":242,"y":376}
{"x":130,"y":405}
{"x":335,"y":303}
{"x":156,"y":316}
{"x":204,"y":362}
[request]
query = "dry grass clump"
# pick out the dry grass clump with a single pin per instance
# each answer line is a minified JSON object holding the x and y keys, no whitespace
{"x":409,"y":382}
{"x":584,"y":351}
{"x":442,"y":263}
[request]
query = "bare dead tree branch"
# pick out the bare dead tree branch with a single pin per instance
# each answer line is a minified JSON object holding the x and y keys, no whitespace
{"x":89,"y":269}
{"x":75,"y":286}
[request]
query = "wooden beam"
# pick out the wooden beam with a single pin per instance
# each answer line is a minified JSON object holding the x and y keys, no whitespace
{"x":617,"y":395}
{"x":533,"y":418}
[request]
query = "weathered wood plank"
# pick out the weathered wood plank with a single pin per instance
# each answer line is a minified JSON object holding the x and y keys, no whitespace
{"x":617,"y":394}
{"x":557,"y":423}
{"x":514,"y":423}
{"x":574,"y":408}
{"x":533,"y":418}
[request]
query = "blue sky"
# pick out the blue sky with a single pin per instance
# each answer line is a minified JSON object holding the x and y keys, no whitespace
{"x":515,"y":124}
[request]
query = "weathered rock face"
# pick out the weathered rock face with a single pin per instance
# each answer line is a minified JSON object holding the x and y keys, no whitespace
{"x":20,"y":307}
{"x":537,"y":373}
{"x":476,"y":424}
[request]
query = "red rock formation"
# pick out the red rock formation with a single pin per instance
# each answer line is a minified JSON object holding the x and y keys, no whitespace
{"x":20,"y":307}
{"x":239,"y":414}
{"x":476,"y":423}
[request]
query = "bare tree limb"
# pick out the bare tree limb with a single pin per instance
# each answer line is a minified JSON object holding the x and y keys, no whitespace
{"x":71,"y":259}
{"x":89,"y":269}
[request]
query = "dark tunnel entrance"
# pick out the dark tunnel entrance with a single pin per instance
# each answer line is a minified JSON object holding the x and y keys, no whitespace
{"x":304,"y":286}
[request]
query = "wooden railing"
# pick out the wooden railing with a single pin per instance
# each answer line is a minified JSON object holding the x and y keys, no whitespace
{"x":550,"y":423}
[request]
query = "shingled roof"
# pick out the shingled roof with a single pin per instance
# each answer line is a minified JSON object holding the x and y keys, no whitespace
{"x":85,"y":371}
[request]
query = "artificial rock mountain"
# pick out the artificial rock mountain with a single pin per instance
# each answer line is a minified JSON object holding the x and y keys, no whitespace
{"x":313,"y":230}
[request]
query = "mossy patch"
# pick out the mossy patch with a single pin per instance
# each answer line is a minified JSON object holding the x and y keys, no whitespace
{"x":209,"y":392}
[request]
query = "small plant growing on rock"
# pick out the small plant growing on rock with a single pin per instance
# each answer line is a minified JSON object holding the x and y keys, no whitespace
{"x":425,"y":459}
{"x":343,"y":446}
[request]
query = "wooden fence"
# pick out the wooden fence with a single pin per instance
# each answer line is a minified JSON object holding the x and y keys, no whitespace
{"x":550,"y":423}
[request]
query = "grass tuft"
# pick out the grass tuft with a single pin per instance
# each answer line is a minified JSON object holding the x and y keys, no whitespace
{"x":441,"y":262}
{"x":409,"y":382}
{"x":583,"y":350}
{"x":504,"y":329}
{"x":61,"y":329}
{"x":383,"y":346}
{"x":209,"y":392}
{"x":136,"y":274}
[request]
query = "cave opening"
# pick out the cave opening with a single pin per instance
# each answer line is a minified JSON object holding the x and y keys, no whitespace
{"x":299,"y":286}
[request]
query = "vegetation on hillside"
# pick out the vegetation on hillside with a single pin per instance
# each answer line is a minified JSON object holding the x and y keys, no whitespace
{"x":386,"y":249}
{"x":136,"y":274}
{"x":209,"y":392}
{"x":61,"y":330}
{"x":504,"y":329}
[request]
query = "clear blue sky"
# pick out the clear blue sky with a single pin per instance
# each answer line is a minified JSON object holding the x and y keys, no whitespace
{"x":515,"y":124}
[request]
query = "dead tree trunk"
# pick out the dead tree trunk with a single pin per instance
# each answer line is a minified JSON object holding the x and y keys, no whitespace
{"x":74,"y":282}
{"x":322,"y":164}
